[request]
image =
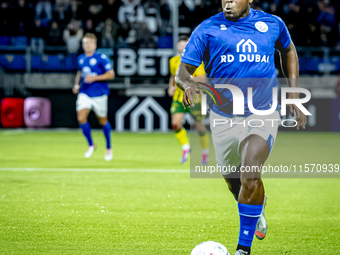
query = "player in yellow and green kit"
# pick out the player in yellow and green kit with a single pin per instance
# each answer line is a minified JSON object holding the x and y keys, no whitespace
{"x":177,"y":110}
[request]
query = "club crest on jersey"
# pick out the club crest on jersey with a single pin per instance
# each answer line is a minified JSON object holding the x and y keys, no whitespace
{"x":261,"y":26}
{"x":93,"y":61}
{"x":245,"y":47}
{"x":223,"y":27}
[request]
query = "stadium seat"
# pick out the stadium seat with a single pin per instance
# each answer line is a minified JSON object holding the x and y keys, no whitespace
{"x":302,"y":65}
{"x":4,"y":40}
{"x":20,"y":41}
{"x":18,"y":63}
{"x":70,"y":63}
{"x":4,"y":62}
{"x":312,"y":64}
{"x":335,"y":60}
{"x":36,"y":63}
{"x":12,"y":112}
{"x":165,"y":42}
{"x":51,"y":63}
{"x":37,"y":112}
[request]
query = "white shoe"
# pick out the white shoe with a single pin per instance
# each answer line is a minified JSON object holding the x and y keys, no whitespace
{"x":108,"y":155}
{"x":89,"y":152}
{"x":262,"y":226}
{"x":240,"y":252}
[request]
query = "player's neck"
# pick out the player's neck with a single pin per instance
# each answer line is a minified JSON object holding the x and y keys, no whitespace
{"x":89,"y":54}
{"x":244,"y":15}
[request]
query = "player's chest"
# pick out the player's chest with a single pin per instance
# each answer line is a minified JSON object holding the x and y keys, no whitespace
{"x":89,"y":66}
{"x":253,"y":38}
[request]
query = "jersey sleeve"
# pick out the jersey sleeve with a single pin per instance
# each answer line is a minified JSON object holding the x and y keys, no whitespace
{"x":284,"y":36}
{"x":106,"y":62}
{"x":194,"y":50}
{"x":199,"y":71}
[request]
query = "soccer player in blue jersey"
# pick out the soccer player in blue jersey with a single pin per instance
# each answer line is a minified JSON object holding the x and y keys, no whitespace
{"x":94,"y":69}
{"x":236,"y":45}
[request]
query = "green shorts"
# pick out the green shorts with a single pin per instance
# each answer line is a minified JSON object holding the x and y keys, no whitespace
{"x":195,"y":112}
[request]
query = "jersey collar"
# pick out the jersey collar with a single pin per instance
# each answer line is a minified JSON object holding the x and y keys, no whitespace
{"x":91,"y":55}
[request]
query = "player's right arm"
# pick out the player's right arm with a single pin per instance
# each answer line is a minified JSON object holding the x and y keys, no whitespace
{"x":76,"y":85}
{"x":192,"y":58}
{"x":186,"y":83}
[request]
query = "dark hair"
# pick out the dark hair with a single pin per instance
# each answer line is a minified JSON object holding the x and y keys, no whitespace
{"x":183,"y":38}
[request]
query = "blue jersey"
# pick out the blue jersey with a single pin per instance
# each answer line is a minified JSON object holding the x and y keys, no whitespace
{"x":95,"y":65}
{"x":232,"y":52}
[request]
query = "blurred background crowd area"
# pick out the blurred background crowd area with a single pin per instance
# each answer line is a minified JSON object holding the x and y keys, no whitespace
{"x":40,"y":41}
{"x":147,"y":23}
{"x":45,"y":35}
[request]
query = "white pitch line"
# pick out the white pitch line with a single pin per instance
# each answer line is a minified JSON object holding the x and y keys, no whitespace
{"x":95,"y":170}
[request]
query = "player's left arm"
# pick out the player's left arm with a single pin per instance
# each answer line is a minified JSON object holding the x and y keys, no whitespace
{"x":109,"y":75}
{"x":290,"y":65}
{"x":106,"y":66}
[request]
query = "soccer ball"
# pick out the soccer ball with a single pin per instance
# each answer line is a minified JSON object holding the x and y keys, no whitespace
{"x":210,"y":248}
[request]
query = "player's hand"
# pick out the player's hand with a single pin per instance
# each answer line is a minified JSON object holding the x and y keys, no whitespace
{"x":171,"y":91}
{"x":189,"y":95}
{"x":89,"y":79}
{"x":76,"y":88}
{"x":301,"y":118}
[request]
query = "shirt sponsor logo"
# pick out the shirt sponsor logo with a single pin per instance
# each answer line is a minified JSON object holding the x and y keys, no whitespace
{"x":245,"y":47}
{"x":86,"y":71}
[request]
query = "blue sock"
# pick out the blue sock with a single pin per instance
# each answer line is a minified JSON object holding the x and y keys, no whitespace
{"x":249,"y":214}
{"x":87,"y":132}
{"x":107,"y":132}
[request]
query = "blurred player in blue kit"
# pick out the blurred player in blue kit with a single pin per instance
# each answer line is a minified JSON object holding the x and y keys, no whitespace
{"x":94,"y":69}
{"x":235,"y":45}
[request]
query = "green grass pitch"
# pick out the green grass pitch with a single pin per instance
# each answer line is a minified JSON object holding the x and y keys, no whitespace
{"x":53,"y":201}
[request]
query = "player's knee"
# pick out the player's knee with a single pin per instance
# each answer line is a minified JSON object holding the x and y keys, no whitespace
{"x":200,"y":128}
{"x":253,"y":159}
{"x":251,"y":183}
{"x":176,"y":127}
{"x":82,"y":119}
{"x":255,"y":153}
{"x":102,"y":122}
